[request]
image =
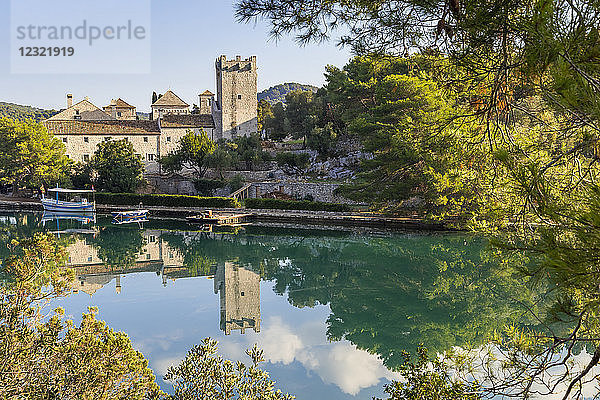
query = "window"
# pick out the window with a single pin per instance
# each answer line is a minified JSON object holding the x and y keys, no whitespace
{"x":168,"y":138}
{"x":146,"y":139}
{"x":242,"y":293}
{"x":86,"y":157}
{"x":150,"y":157}
{"x":119,"y":114}
{"x":170,"y":255}
{"x":239,"y":96}
{"x":64,"y":140}
{"x":86,"y":139}
{"x":148,"y":256}
{"x":152,"y":239}
{"x":89,"y":258}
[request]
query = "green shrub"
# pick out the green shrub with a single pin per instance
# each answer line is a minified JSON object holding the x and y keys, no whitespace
{"x":167,"y":200}
{"x":206,"y":186}
{"x":277,"y":204}
{"x":295,"y":162}
{"x":236,"y":183}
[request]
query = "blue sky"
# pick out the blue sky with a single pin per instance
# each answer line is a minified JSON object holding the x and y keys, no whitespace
{"x":187,"y":37}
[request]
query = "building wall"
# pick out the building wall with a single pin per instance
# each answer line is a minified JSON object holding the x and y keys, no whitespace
{"x":205,"y":104}
{"x":84,"y":110}
{"x":127,"y":114}
{"x":81,"y":148}
{"x":237,"y":96}
{"x":164,"y":110}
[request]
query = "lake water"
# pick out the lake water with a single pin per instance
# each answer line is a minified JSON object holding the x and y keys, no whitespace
{"x":332,"y":310}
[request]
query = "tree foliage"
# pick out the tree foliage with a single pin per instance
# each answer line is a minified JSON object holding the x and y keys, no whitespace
{"x":116,"y":167}
{"x":265,"y":113}
{"x":30,"y":156}
{"x":427,"y":379}
{"x":47,"y":357}
{"x":205,"y":375}
{"x":277,"y":93}
{"x":525,"y":78}
{"x":192,"y":153}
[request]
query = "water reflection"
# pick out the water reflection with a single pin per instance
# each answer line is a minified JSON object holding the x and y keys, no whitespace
{"x":96,"y":266}
{"x":331,"y":310}
{"x":239,"y":295}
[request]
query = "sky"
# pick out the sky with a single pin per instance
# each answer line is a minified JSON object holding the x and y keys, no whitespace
{"x":186,"y":38}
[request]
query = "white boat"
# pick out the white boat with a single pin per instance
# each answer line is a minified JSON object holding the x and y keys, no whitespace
{"x":76,"y":203}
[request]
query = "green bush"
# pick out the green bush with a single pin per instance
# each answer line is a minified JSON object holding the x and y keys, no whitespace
{"x":206,"y":186}
{"x":293,"y":161}
{"x":167,"y":200}
{"x":236,"y":183}
{"x":295,"y":205}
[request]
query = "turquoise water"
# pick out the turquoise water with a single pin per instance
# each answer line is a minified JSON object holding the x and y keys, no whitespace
{"x":332,"y":310}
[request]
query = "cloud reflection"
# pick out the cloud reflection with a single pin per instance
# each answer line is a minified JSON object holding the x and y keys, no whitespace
{"x":340,"y":363}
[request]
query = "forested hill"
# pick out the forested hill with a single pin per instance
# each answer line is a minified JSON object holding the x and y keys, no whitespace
{"x":16,"y":111}
{"x":277,"y":93}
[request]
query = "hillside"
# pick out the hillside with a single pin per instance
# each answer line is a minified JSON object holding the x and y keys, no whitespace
{"x":277,"y":93}
{"x":16,"y":111}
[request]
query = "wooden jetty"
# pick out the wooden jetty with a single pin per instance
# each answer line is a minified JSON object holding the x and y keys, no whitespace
{"x":208,"y":217}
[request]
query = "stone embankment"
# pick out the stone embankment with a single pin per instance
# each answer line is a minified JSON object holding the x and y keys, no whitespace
{"x":322,"y":219}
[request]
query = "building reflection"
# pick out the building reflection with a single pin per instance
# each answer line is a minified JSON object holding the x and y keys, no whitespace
{"x":238,"y":287}
{"x":92,"y":273}
{"x":239,"y":295}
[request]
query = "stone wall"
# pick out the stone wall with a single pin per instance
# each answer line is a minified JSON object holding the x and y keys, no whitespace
{"x":300,"y":190}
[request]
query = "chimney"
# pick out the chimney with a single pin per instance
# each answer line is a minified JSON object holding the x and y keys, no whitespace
{"x":69,"y":100}
{"x":113,"y":111}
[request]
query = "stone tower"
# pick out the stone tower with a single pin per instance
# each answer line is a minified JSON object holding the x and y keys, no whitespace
{"x":234,"y":112}
{"x":205,"y":101}
{"x":239,"y":295}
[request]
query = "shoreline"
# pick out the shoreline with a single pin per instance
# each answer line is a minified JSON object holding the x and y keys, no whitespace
{"x":262,"y":216}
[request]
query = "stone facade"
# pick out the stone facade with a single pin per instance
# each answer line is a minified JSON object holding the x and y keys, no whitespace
{"x":84,"y":111}
{"x":169,"y":104}
{"x":81,"y":127}
{"x":121,"y":110}
{"x":235,"y":110}
{"x":81,"y":138}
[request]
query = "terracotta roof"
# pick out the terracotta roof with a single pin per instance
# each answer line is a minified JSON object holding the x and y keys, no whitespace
{"x":187,"y":121}
{"x":170,"y":99}
{"x":77,"y":127}
{"x":207,"y":93}
{"x":119,"y":103}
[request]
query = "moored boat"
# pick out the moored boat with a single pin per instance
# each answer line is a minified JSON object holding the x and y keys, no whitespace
{"x":76,"y":203}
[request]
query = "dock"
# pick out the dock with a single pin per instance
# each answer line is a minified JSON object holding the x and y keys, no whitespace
{"x":222,"y":219}
{"x":233,"y":219}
